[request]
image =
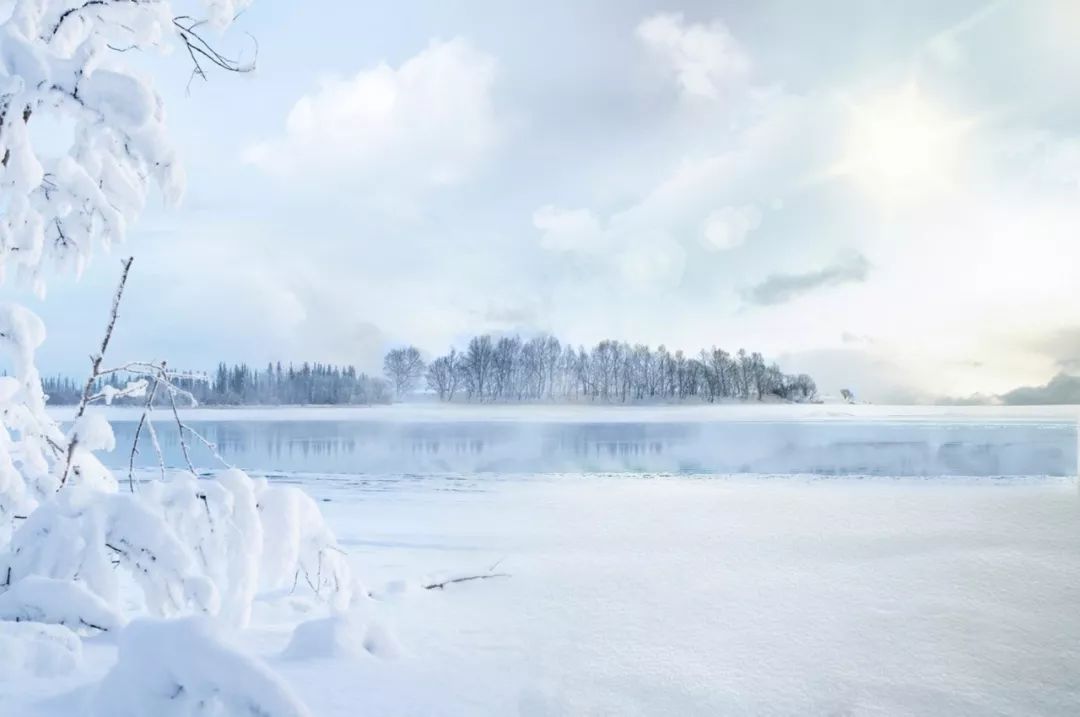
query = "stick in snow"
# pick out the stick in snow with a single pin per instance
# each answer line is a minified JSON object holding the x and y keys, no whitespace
{"x":467,"y":578}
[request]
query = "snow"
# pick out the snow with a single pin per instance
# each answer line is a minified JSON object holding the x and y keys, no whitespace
{"x":29,"y":649}
{"x":180,"y":668}
{"x":340,"y":636}
{"x":75,"y":553}
{"x":673,"y":595}
{"x":58,"y":602}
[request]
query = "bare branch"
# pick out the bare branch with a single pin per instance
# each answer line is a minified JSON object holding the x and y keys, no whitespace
{"x":163,"y":378}
{"x":467,"y":578}
{"x":154,"y":439}
{"x":135,"y":442}
{"x":95,"y":368}
{"x":176,"y":415}
{"x":200,"y":50}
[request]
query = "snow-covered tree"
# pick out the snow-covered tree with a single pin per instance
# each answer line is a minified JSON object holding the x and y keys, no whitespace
{"x":75,"y":550}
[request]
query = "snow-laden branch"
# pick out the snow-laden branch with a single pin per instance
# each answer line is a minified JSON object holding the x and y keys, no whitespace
{"x":59,"y":60}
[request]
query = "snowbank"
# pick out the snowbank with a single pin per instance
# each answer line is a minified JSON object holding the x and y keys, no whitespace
{"x":34,"y":650}
{"x":181,"y":668}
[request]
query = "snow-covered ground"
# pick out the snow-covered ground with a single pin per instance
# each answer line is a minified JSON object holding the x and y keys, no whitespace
{"x":679,"y":595}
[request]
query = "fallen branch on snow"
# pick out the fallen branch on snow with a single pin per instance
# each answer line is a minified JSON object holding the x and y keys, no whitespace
{"x":467,"y":578}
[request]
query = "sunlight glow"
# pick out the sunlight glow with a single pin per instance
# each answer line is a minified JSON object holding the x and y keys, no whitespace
{"x":901,"y":147}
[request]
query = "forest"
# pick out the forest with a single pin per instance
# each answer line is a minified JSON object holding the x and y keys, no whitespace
{"x":240,"y":384}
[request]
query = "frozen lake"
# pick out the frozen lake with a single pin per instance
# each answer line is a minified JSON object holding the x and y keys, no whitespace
{"x":695,"y":593}
{"x":768,"y":439}
{"x":730,"y":596}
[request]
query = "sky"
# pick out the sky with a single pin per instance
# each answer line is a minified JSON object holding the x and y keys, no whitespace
{"x":881,"y":194}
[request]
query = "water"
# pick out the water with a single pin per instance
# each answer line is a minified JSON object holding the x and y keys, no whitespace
{"x":325,"y":441}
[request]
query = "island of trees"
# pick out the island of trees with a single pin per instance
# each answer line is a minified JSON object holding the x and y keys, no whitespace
{"x":543,"y":369}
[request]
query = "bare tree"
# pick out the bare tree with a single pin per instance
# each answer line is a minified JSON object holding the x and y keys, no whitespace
{"x":479,"y":363}
{"x":442,"y":375}
{"x":403,"y":367}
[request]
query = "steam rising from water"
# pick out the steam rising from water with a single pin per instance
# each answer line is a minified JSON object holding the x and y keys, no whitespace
{"x":836,"y":447}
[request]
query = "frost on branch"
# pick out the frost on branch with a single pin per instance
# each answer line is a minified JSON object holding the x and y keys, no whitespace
{"x":179,"y":668}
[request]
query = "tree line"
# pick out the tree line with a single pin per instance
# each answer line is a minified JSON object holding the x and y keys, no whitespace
{"x":510,"y":369}
{"x":240,"y":384}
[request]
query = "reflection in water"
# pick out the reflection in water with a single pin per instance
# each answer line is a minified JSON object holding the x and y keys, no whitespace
{"x":829,"y":448}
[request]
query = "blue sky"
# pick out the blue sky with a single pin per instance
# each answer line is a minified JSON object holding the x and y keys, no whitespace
{"x":882,"y":194}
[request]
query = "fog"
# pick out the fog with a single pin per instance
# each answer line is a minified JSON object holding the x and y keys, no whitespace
{"x":778,"y":439}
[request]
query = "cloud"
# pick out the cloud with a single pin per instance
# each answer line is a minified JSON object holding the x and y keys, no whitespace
{"x":428,"y":121}
{"x":1061,"y":389}
{"x":728,"y":228}
{"x":569,"y":230}
{"x":782,"y":288}
{"x":704,"y":202}
{"x":848,"y":337}
{"x":653,"y":262}
{"x":1062,"y":345}
{"x":705,"y":58}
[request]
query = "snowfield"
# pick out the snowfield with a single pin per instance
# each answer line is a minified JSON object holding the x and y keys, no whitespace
{"x":667,"y":595}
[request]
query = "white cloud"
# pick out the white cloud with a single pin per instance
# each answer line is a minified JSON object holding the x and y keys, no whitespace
{"x":705,"y":58}
{"x":658,"y":262}
{"x":569,"y":230}
{"x":728,"y":227}
{"x":641,"y":257}
{"x":428,"y":121}
{"x":647,"y":242}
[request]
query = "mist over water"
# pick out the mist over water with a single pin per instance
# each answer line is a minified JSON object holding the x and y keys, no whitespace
{"x":869,"y":446}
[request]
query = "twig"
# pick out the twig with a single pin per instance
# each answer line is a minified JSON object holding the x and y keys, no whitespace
{"x":209,"y":446}
{"x":199,"y":50}
{"x":135,"y":442}
{"x":467,"y":578}
{"x":154,"y":440}
{"x":162,"y":378}
{"x":179,"y":424}
{"x":95,"y":367}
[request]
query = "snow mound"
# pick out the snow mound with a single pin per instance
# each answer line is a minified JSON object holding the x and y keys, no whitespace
{"x":58,"y":602}
{"x":340,"y":636}
{"x":299,"y":548}
{"x":35,"y":650}
{"x":180,"y":668}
